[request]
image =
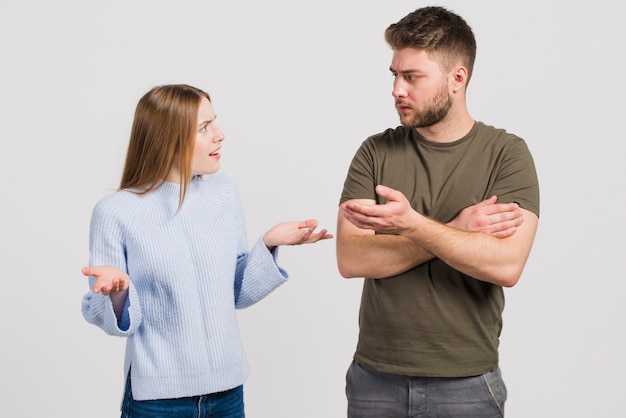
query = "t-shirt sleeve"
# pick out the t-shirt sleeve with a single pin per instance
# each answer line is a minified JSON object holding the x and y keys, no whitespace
{"x":517,"y":177}
{"x":360,"y":180}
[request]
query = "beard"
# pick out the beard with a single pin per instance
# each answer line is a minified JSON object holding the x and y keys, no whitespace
{"x":430,"y":115}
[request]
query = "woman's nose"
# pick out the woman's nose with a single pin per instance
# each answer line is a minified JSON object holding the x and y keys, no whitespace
{"x":219,"y":136}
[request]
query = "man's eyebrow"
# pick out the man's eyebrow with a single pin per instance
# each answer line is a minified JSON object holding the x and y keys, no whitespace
{"x":409,"y":71}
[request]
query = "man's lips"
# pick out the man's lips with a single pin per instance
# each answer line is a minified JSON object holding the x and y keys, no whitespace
{"x":403,"y":107}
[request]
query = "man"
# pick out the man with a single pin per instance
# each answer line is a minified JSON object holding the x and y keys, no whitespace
{"x":431,"y":309}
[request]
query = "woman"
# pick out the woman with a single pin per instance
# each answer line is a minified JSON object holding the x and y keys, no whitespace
{"x":174,"y":265}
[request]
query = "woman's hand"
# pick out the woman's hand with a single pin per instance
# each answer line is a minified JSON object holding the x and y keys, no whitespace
{"x":109,"y":279}
{"x":294,"y":233}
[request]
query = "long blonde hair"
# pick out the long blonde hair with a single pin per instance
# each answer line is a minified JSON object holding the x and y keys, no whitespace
{"x":164,"y":128}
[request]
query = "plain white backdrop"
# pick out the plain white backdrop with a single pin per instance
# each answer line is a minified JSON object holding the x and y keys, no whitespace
{"x":297,"y":86}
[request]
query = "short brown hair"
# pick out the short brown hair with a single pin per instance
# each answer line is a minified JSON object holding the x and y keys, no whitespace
{"x":438,"y":31}
{"x":163,"y":129}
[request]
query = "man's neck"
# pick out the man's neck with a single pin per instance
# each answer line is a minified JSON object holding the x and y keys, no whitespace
{"x":451,"y":129}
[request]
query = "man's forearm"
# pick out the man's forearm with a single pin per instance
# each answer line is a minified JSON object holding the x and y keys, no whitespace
{"x":482,"y":256}
{"x":378,"y":256}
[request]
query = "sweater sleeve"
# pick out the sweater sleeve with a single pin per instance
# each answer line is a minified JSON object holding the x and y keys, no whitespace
{"x":258,"y":275}
{"x":106,"y":246}
{"x":98,"y":310}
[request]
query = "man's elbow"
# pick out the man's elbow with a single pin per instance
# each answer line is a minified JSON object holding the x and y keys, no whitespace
{"x":510,"y":276}
{"x":510,"y":281}
{"x":347,"y":264}
{"x":346,"y":269}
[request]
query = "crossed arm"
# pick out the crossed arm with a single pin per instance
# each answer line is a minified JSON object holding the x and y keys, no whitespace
{"x":487,"y":241}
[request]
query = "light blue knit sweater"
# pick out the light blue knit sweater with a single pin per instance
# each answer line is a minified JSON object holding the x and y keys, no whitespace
{"x":189,"y":271}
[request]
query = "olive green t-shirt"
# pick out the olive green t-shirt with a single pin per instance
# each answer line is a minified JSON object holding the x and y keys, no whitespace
{"x":434,"y":320}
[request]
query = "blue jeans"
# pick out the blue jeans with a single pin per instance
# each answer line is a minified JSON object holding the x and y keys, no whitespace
{"x":228,"y":404}
{"x":372,"y":394}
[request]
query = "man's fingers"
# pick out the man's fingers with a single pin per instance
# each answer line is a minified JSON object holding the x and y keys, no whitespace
{"x":388,"y":193}
{"x":506,"y":233}
{"x":492,"y":200}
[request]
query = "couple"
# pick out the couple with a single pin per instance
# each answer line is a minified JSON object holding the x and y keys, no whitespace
{"x":438,"y":215}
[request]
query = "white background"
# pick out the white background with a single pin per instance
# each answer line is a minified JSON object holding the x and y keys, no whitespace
{"x":297,"y":86}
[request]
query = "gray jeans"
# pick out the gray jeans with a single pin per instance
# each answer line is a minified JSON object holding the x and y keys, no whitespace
{"x":372,"y":394}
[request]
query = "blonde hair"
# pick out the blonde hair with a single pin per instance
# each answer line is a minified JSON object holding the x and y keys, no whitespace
{"x":163,"y":129}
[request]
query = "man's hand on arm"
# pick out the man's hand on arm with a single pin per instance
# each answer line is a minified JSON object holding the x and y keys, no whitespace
{"x":498,"y":219}
{"x":405,"y":242}
{"x":362,"y":253}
